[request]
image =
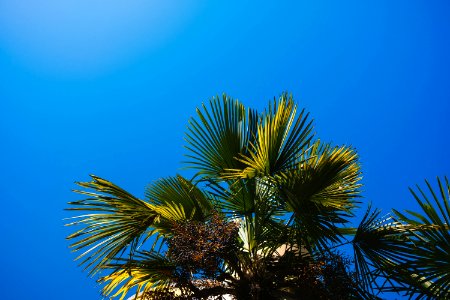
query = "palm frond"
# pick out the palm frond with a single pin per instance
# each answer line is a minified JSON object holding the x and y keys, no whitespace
{"x":254,"y":204}
{"x":322,"y":190}
{"x":246,"y":196}
{"x":146,"y":272}
{"x":281,"y":138}
{"x":176,"y":198}
{"x":114,"y":221}
{"x":237,"y":199}
{"x":382,"y":248}
{"x":431,"y":237}
{"x":221,"y":134}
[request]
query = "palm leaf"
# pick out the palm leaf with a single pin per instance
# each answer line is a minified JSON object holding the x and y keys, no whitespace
{"x":371,"y":240}
{"x":321,"y":192}
{"x":114,"y":221}
{"x":384,"y":248}
{"x":431,"y":237}
{"x":281,"y":138}
{"x":176,"y":199}
{"x":221,"y":134}
{"x":146,"y":272}
{"x":237,"y":199}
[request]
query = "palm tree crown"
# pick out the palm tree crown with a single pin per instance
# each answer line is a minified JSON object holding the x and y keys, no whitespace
{"x":263,"y":218}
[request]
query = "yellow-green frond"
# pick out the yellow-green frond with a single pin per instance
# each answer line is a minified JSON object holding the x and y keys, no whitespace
{"x":322,"y":190}
{"x":180,"y":196}
{"x":146,"y":272}
{"x":281,"y":139}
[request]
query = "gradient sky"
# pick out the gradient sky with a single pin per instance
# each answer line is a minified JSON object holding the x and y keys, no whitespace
{"x":107,"y":87}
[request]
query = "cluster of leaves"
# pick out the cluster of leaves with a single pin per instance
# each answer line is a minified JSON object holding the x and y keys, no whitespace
{"x":199,"y":247}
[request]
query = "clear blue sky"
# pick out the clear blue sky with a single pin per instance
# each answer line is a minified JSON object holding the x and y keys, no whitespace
{"x":107,"y":87}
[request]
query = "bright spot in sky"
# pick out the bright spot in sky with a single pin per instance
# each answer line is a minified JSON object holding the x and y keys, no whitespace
{"x":86,"y":37}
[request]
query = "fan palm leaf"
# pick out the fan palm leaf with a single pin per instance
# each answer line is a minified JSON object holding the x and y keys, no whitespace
{"x":146,"y":272}
{"x":121,"y":220}
{"x":117,"y":221}
{"x":385,"y":250}
{"x":281,"y":139}
{"x":379,"y":244}
{"x":176,"y":199}
{"x":219,"y":135}
{"x":238,"y":198}
{"x":431,"y":239}
{"x":321,"y":191}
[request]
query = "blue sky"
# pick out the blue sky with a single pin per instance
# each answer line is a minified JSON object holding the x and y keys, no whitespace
{"x":106,"y":88}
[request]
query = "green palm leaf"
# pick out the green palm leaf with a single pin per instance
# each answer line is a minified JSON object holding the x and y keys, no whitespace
{"x":115,"y":220}
{"x":281,"y":139}
{"x":431,"y":239}
{"x":176,"y":198}
{"x":321,"y":192}
{"x":221,"y":134}
{"x":380,"y":244}
{"x":387,"y":249}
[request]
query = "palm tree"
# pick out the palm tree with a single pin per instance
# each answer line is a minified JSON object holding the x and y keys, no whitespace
{"x":263,"y":217}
